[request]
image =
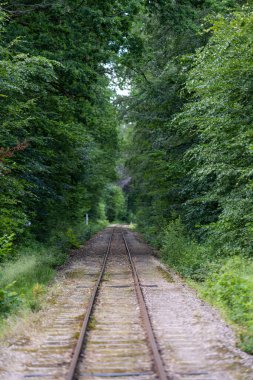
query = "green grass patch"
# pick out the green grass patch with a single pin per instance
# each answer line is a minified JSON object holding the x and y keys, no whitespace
{"x":25,"y":274}
{"x":23,"y":279}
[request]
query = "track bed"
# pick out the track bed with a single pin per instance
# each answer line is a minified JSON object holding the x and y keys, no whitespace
{"x":186,"y":339}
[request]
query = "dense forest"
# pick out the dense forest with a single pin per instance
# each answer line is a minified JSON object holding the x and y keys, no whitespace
{"x":58,"y":136}
{"x":189,"y":146}
{"x":182,"y":137}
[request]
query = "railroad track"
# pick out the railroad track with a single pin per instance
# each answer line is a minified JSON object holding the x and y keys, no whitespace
{"x":121,"y":281}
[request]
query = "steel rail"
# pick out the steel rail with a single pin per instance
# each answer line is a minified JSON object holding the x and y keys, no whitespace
{"x":79,"y":346}
{"x":158,"y":362}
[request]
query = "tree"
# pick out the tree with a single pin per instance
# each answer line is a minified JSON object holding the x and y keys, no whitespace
{"x":220,"y":116}
{"x":56,"y":98}
{"x":158,"y":62}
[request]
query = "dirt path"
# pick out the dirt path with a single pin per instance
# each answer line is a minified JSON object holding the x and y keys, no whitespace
{"x":195,"y":343}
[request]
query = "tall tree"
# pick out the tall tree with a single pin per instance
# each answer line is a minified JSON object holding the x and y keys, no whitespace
{"x":220,"y":116}
{"x":158,"y":62}
{"x":60,"y":106}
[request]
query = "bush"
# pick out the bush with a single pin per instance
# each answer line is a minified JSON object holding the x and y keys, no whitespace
{"x":231,"y":288}
{"x":151,"y":235}
{"x":68,"y":238}
{"x":9,"y":299}
{"x":72,"y":239}
{"x":184,"y":254}
{"x":6,"y":246}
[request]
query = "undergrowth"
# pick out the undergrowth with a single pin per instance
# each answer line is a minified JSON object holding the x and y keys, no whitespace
{"x":67,"y":238}
{"x":33,"y":267}
{"x":231,"y":289}
{"x":226,"y":282}
{"x":26,"y":270}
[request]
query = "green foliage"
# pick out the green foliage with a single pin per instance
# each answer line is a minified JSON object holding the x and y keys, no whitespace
{"x":33,"y":267}
{"x":190,"y":145}
{"x":233,"y":290}
{"x":219,"y":115}
{"x":6,"y":246}
{"x":34,"y":264}
{"x":225,"y":282}
{"x":65,"y":239}
{"x":231,"y":287}
{"x":86,"y":232}
{"x":19,"y":73}
{"x":183,"y":253}
{"x":58,"y":128}
{"x":115,"y":204}
{"x":23,"y":279}
{"x":161,"y":179}
{"x":72,"y":239}
{"x":9,"y":299}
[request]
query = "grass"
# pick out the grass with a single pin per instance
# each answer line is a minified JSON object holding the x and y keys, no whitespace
{"x":92,"y":323}
{"x":24,"y":277}
{"x":27,"y":275}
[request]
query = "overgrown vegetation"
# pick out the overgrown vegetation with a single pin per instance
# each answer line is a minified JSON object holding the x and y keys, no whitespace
{"x":58,"y":132}
{"x":23,"y":279}
{"x":224,"y":281}
{"x":25,"y":274}
{"x":115,"y":204}
{"x":184,"y":254}
{"x":189,"y":145}
{"x":231,"y":288}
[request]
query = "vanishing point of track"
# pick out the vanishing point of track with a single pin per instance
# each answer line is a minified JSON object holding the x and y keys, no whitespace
{"x":80,"y":346}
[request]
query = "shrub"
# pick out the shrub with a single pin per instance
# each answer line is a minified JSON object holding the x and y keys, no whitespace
{"x":9,"y":299}
{"x":231,"y":287}
{"x":184,"y":254}
{"x":6,"y":246}
{"x":72,"y":239}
